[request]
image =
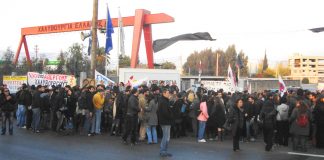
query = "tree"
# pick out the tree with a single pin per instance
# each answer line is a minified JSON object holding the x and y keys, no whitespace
{"x":265,"y":62}
{"x":269,"y":73}
{"x":61,"y":66}
{"x":208,"y":59}
{"x":124,"y":61}
{"x":305,"y":80}
{"x":7,"y":66}
{"x":168,"y":65}
{"x":283,"y":70}
{"x":22,"y":67}
{"x":74,"y":63}
{"x":101,"y":60}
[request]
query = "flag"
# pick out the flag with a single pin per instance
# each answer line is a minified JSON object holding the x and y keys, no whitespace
{"x":121,"y":35}
{"x":164,"y":43}
{"x":231,"y":77}
{"x":317,"y":30}
{"x":101,"y":79}
{"x":109,"y":31}
{"x":239,"y":62}
{"x":200,"y":71}
{"x":282,"y":86}
{"x":136,"y":83}
{"x":248,"y":87}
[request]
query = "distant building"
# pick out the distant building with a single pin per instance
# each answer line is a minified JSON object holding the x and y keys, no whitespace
{"x":311,"y":67}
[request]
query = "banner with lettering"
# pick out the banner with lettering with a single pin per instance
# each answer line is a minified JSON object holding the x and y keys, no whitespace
{"x":36,"y":79}
{"x":14,"y":82}
{"x":216,"y":85}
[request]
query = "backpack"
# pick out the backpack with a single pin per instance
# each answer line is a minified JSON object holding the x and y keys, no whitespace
{"x":302,"y":120}
{"x":282,"y":114}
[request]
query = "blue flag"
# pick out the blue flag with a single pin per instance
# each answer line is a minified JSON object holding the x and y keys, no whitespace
{"x":109,"y":31}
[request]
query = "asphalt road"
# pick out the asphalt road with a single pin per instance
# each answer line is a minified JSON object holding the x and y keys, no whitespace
{"x":24,"y":145}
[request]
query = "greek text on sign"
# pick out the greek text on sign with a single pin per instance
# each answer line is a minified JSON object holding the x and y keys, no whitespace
{"x":216,"y":85}
{"x":35,"y":78}
{"x":14,"y":82}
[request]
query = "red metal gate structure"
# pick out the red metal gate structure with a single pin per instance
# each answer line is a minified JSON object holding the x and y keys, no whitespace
{"x":142,"y":20}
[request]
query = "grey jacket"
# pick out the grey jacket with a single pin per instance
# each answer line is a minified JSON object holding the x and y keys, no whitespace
{"x":295,"y":129}
{"x":150,"y":112}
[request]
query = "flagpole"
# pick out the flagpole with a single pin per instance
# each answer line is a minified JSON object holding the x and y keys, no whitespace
{"x":106,"y":57}
{"x":118,"y":42}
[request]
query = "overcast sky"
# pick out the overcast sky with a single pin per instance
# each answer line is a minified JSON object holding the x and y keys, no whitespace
{"x":277,"y":26}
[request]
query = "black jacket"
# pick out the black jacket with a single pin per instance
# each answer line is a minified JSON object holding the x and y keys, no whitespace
{"x":250,"y":110}
{"x":82,"y":100}
{"x":90,"y":106}
{"x":7,"y":105}
{"x":268,"y":114}
{"x":24,"y":97}
{"x":133,"y":107}
{"x":164,"y":112}
{"x":176,"y":109}
{"x":37,"y":100}
{"x":236,"y":118}
{"x":71,"y":104}
{"x":119,"y":105}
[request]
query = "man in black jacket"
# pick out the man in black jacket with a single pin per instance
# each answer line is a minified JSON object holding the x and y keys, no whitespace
{"x":88,"y":110}
{"x":7,"y":106}
{"x":36,"y":105}
{"x":24,"y":99}
{"x":132,"y":117}
{"x":166,"y":119}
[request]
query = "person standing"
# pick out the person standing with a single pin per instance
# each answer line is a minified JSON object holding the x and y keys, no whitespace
{"x":202,"y":118}
{"x":319,"y":122}
{"x":7,"y":106}
{"x":236,"y":119}
{"x":143,"y":103}
{"x":300,"y":124}
{"x":132,"y":117}
{"x":36,"y":105}
{"x":98,"y":102}
{"x":89,"y":110}
{"x":150,"y":111}
{"x":166,"y":119}
{"x":220,"y":115}
{"x":282,"y":122}
{"x":24,"y":99}
{"x":268,"y":117}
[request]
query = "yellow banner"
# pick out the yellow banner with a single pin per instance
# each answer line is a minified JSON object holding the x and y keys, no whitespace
{"x":15,"y":78}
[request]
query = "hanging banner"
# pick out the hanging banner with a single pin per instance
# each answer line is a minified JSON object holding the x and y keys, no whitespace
{"x":101,"y":79}
{"x":14,"y":82}
{"x":36,"y":79}
{"x":216,"y":85}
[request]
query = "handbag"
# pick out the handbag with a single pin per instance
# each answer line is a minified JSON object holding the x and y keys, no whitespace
{"x":227,"y":125}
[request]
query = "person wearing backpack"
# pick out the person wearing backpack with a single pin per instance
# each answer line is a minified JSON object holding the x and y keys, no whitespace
{"x":268,"y":117}
{"x":282,"y":122}
{"x":194,"y":107}
{"x":300,"y":124}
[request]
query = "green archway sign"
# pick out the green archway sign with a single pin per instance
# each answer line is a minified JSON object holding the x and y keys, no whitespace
{"x":53,"y":63}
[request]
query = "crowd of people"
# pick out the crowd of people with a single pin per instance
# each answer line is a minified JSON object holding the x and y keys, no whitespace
{"x":146,"y":112}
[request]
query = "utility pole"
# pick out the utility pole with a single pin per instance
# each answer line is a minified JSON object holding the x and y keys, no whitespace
{"x":36,"y":50}
{"x":94,"y":38}
{"x":216,"y":64}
